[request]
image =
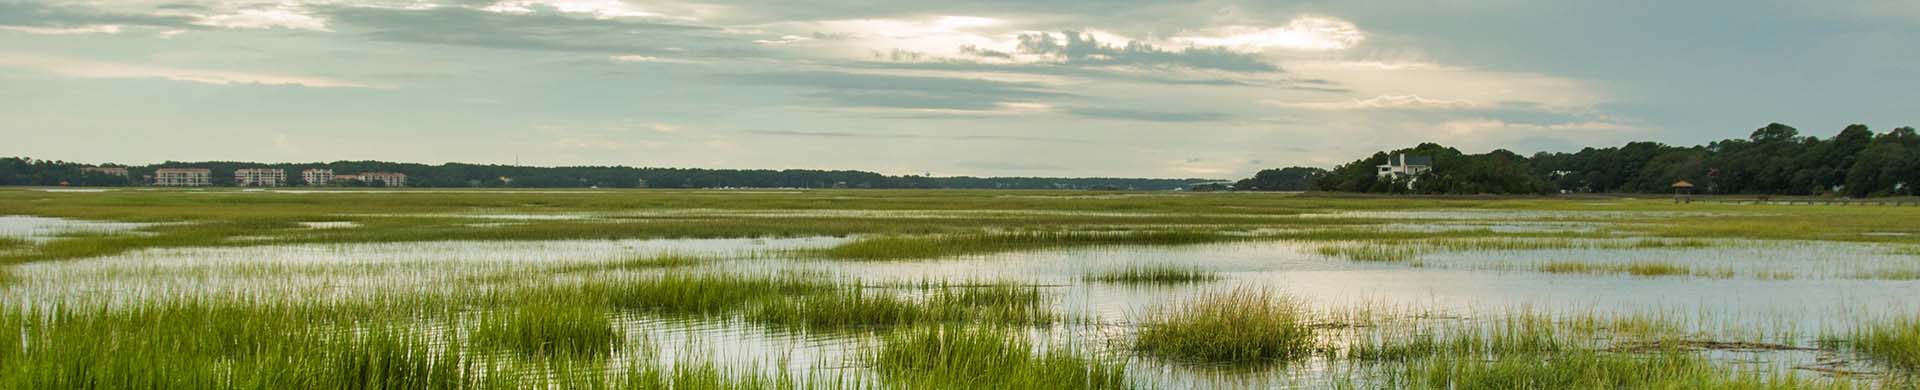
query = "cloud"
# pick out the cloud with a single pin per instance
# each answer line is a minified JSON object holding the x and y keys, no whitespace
{"x":1313,"y":33}
{"x":601,"y":9}
{"x":912,"y":92}
{"x":92,"y":29}
{"x":653,"y":59}
{"x":1078,"y":48}
{"x":81,"y":68}
{"x":854,"y":135}
{"x":1008,"y":166}
{"x":1147,"y":116}
{"x":1382,"y":102}
{"x":34,"y":17}
{"x":266,"y":18}
{"x":538,"y":29}
{"x":1477,"y":126}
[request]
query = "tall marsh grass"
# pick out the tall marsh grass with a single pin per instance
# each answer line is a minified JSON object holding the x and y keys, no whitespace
{"x":1153,"y":274}
{"x":1241,"y":326}
{"x":936,"y":246}
{"x":1370,"y":252}
{"x":1639,"y":268}
{"x":1895,"y":344}
{"x":566,"y":330}
{"x":856,"y":307}
{"x":1585,"y":369}
{"x":955,"y":357}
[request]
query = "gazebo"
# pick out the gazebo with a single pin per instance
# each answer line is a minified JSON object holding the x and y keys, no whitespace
{"x":1682,"y":192}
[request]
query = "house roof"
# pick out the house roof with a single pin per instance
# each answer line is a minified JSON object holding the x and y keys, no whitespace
{"x":1419,"y":160}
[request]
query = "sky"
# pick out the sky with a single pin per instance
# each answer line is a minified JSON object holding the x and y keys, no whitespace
{"x":1132,"y":88}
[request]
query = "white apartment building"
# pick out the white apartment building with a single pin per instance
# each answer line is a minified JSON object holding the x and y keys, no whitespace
{"x":116,"y":171}
{"x":183,"y":177}
{"x":259,"y":177}
{"x":387,"y":179}
{"x":317,"y":177}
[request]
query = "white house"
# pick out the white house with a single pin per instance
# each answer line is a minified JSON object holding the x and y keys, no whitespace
{"x":1405,"y":167}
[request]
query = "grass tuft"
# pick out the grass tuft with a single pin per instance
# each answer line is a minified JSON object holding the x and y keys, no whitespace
{"x":1895,"y":344}
{"x":669,"y":260}
{"x":1154,"y":274}
{"x":1241,"y":326}
{"x":549,"y":331}
{"x":855,"y":307}
{"x":1370,"y":252}
{"x":1635,"y":268}
{"x":986,"y":358}
{"x":927,"y":247}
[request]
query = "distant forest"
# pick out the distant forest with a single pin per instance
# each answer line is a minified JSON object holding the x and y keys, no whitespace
{"x":1774,"y":160}
{"x":20,"y":171}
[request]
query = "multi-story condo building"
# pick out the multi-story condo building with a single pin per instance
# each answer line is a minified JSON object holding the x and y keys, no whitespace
{"x":259,"y":177}
{"x":183,"y":177}
{"x":386,"y":179}
{"x":317,"y":177}
{"x":116,"y":171}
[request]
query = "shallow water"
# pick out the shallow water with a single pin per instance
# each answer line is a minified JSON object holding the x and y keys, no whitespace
{"x":42,"y":229}
{"x":1459,"y":286}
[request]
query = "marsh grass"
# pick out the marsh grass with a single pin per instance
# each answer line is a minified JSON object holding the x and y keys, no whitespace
{"x":1585,"y":369}
{"x":1237,"y":327}
{"x":694,"y":294}
{"x":1370,"y":252}
{"x":1537,"y":351}
{"x":1889,"y":274}
{"x":952,"y":357}
{"x":568,"y":330}
{"x":1895,"y":344}
{"x":10,"y":243}
{"x":640,"y":263}
{"x":1905,"y":250}
{"x":1153,"y":274}
{"x":1411,"y":249}
{"x":854,"y":308}
{"x":1516,"y":335}
{"x":1639,"y":268}
{"x":937,"y":246}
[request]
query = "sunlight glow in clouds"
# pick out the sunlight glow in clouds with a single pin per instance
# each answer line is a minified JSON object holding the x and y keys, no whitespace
{"x":90,"y":69}
{"x":603,"y":9}
{"x":1382,"y":102}
{"x":1303,"y":33}
{"x":265,"y":19}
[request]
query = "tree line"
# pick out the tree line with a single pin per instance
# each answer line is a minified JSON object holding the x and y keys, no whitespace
{"x":22,"y":171}
{"x":1773,"y":160}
